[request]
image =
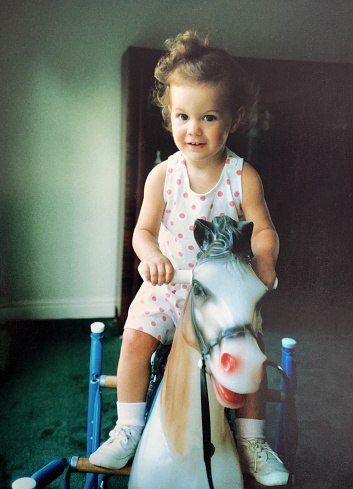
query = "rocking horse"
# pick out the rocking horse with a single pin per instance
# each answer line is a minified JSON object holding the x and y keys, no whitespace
{"x":187,"y":441}
{"x":215,"y":331}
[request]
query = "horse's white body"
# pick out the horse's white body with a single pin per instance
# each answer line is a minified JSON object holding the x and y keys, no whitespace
{"x":170,"y":453}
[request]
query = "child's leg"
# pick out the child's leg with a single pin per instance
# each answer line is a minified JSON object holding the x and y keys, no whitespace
{"x":134,"y":368}
{"x":133,"y":379}
{"x":255,"y":404}
{"x":256,"y":457}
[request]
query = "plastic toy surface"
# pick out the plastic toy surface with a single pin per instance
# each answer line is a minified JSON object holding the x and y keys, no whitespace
{"x":217,"y":326}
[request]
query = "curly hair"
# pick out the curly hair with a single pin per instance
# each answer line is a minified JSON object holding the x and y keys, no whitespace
{"x":190,"y":58}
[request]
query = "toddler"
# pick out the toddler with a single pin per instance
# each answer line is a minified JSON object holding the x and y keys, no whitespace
{"x":204,"y":96}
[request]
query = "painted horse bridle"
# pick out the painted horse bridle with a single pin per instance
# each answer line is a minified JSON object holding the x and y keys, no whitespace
{"x":206,"y":348}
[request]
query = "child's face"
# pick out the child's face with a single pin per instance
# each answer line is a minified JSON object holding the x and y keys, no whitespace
{"x":201,"y":120}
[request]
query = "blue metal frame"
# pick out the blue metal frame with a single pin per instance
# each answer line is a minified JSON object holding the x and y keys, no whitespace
{"x":43,"y":477}
{"x":94,"y":416}
{"x":287,"y":427}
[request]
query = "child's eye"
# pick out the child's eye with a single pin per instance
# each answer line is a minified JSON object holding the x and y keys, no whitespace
{"x":182,"y":117}
{"x":209,"y":118}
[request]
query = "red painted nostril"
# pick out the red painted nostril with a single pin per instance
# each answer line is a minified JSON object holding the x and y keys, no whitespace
{"x":229,"y":363}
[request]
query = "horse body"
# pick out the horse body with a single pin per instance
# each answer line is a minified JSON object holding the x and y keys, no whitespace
{"x":170,"y":453}
{"x":216,"y":319}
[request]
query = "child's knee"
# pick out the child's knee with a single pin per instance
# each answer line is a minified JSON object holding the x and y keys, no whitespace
{"x":138,"y":343}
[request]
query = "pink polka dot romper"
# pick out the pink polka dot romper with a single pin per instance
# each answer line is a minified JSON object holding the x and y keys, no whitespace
{"x":156,"y":310}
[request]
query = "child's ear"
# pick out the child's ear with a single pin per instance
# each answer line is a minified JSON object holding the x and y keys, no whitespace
{"x":237,"y":120}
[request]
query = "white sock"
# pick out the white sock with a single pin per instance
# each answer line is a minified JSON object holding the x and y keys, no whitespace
{"x":131,"y":413}
{"x":249,"y":429}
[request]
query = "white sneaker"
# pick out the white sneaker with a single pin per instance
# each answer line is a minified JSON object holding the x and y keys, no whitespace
{"x":261,"y":462}
{"x":118,"y":449}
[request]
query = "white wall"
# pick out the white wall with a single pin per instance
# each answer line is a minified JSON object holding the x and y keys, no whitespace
{"x":62,"y":128}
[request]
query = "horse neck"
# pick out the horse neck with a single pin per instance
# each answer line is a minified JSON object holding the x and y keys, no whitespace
{"x":180,"y":393}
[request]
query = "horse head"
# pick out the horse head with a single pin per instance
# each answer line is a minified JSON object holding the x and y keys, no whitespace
{"x":224,"y":307}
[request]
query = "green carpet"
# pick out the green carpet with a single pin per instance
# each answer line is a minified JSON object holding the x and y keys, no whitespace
{"x":44,"y":395}
{"x":44,"y":392}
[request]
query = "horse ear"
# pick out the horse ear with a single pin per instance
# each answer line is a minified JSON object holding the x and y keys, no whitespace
{"x":204,"y":233}
{"x":246,"y":227}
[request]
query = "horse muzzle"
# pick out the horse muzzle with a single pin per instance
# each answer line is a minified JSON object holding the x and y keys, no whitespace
{"x":236,"y":368}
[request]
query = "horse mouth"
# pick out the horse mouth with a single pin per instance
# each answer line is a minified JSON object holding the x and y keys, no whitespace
{"x":227,"y":397}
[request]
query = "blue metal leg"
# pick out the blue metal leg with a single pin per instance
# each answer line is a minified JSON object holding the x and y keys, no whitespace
{"x":49,"y":473}
{"x":43,"y":477}
{"x":94,"y":398}
{"x":286,"y":437}
{"x":91,"y":481}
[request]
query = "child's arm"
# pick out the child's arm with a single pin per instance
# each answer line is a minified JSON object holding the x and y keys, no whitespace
{"x":155,"y":267}
{"x":264,"y":241}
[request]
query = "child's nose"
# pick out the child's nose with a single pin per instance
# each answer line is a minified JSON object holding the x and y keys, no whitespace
{"x":194,"y":128}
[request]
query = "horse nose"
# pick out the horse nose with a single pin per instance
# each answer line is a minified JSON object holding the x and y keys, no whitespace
{"x":229,"y":363}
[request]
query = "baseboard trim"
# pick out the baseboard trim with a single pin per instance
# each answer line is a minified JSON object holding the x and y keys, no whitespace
{"x":59,"y":309}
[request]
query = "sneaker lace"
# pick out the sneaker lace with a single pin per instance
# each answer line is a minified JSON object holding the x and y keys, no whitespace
{"x":120,"y":432}
{"x":259,"y":447}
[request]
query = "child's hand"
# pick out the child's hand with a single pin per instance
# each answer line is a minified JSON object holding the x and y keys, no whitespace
{"x":156,"y":269}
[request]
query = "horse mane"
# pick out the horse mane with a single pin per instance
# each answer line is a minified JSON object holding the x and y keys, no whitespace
{"x":223,"y":236}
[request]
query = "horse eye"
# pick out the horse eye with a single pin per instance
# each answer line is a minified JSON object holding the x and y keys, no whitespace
{"x":199,"y":291}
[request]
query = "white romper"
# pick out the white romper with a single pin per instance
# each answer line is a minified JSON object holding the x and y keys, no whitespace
{"x":156,"y":309}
